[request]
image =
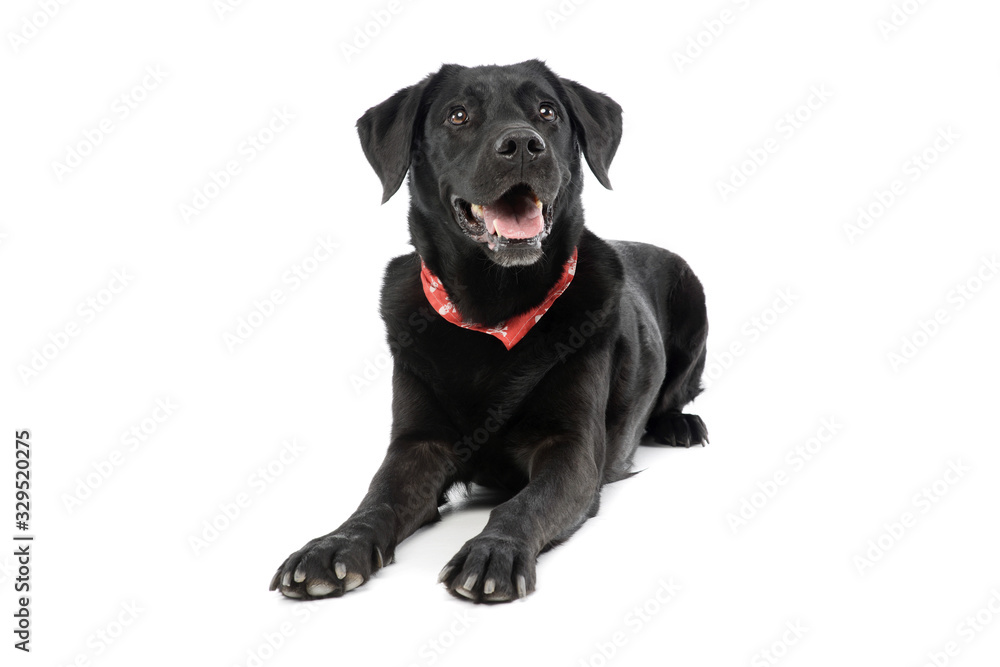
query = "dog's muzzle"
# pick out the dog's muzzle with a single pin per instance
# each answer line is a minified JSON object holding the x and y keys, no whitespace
{"x":518,"y":218}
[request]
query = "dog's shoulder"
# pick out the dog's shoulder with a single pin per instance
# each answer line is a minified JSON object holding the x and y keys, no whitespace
{"x":402,"y":294}
{"x":647,"y":264}
{"x":401,"y":267}
{"x":600,"y":265}
{"x":647,"y":257}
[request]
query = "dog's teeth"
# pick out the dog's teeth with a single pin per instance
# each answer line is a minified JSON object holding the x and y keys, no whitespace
{"x":495,"y":230}
{"x":538,"y":203}
{"x":477,"y":211}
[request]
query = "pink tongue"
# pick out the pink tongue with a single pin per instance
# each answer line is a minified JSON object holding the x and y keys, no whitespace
{"x":515,"y":217}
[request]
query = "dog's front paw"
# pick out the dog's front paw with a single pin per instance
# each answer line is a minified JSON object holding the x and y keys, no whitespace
{"x":677,"y":429}
{"x":331,"y":565}
{"x":491,"y":568}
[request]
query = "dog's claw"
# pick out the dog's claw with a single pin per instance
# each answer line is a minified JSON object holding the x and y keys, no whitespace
{"x":340,"y":570}
{"x":286,"y":580}
{"x":522,"y":586}
{"x":489,"y":586}
{"x":352,"y":581}
{"x":318,"y":589}
{"x":677,"y":429}
{"x":378,"y":557}
{"x":445,"y":572}
{"x":274,"y":581}
{"x":704,"y":431}
{"x":300,"y":575}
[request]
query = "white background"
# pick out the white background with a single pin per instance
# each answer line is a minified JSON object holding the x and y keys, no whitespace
{"x":301,"y":374}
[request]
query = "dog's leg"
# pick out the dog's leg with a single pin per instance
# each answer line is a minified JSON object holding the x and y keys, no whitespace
{"x":685,"y":348}
{"x":404,"y":495}
{"x":564,"y":481}
{"x":498,"y":565}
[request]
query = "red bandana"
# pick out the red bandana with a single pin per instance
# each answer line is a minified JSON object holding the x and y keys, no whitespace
{"x":509,"y":332}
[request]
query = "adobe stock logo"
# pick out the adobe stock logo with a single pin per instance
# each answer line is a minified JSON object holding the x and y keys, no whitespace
{"x":228,"y":512}
{"x":560,"y":13}
{"x":718,"y":363}
{"x":292,"y":280}
{"x":911,"y":171}
{"x":966,"y":632}
{"x":635,"y":620}
{"x":223,"y":8}
{"x":132,"y":439}
{"x":927,"y":329}
{"x":58,"y":341}
{"x":249,"y":149}
{"x":711,"y":31}
{"x":899,"y":16}
{"x":922,"y":502}
{"x":371,"y":29}
{"x":767,"y":489}
{"x":122,"y":107}
{"x":787,"y":127}
{"x":779,"y":648}
{"x":32,"y":24}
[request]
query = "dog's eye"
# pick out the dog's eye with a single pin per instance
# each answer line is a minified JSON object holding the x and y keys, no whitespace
{"x":458,"y":116}
{"x":547,"y":112}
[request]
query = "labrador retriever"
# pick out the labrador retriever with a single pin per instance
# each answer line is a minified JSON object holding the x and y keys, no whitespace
{"x":529,"y":355}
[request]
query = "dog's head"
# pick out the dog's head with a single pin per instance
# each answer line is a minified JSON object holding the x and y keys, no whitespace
{"x":494,"y":157}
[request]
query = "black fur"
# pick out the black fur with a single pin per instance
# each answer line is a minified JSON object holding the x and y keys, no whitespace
{"x":560,"y":414}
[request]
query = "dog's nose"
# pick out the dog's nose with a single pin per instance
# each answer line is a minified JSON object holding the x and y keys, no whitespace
{"x":513,"y":142}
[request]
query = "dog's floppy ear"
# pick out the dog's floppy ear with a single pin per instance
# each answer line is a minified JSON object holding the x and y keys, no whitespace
{"x":386,"y":132}
{"x":598,"y":122}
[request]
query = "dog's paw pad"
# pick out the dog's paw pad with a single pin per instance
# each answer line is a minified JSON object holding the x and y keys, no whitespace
{"x":676,"y":429}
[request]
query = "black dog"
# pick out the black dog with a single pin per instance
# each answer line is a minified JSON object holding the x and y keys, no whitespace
{"x":494,"y":382}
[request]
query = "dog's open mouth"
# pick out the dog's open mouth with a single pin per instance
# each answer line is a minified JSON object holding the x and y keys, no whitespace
{"x":518,"y":218}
